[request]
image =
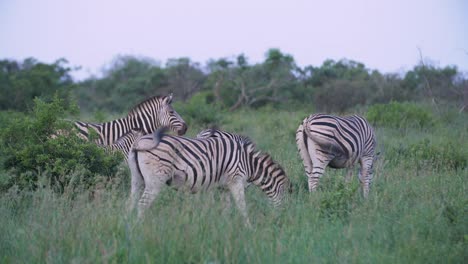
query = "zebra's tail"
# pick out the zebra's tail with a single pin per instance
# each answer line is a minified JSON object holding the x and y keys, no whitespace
{"x":303,"y":148}
{"x":156,"y":136}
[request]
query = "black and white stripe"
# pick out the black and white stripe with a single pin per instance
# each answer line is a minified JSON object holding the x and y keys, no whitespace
{"x":200,"y":164}
{"x":339,"y":142}
{"x":125,"y":143}
{"x":149,"y":115}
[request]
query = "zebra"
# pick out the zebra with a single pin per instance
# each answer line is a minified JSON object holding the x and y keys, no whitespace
{"x":124,"y":144}
{"x":200,"y":164}
{"x":214,"y":132}
{"x":147,"y":116}
{"x":338,"y":142}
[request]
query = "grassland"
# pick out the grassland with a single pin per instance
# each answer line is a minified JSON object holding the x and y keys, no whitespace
{"x":417,"y":211}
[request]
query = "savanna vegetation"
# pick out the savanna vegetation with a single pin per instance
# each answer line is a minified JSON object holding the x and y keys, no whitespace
{"x":64,"y":200}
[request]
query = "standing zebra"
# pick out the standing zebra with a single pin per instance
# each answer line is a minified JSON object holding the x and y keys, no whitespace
{"x":149,"y":115}
{"x":198,"y":164}
{"x":338,"y":142}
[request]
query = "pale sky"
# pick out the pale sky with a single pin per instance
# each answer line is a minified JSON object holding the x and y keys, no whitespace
{"x":384,"y":35}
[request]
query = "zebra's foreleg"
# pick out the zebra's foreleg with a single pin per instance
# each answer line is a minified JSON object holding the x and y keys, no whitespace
{"x":349,"y":175}
{"x":237,"y":191}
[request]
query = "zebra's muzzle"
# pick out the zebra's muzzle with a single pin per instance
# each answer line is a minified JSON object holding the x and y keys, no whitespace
{"x":182,"y":130}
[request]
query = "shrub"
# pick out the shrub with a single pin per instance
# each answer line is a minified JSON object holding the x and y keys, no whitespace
{"x":446,"y":154}
{"x":337,"y":203}
{"x":199,"y":109}
{"x":400,"y":115}
{"x":341,"y":95}
{"x":30,"y":153}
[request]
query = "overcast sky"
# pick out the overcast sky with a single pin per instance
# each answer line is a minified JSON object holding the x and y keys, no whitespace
{"x":384,"y":35}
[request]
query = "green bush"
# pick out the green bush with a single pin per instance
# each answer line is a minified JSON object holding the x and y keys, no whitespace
{"x":400,"y":115}
{"x":199,"y":109}
{"x":337,"y":203}
{"x":30,"y":152}
{"x":446,"y":154}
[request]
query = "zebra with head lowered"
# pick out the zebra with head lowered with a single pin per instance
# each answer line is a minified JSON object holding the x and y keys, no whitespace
{"x":200,"y":164}
{"x":339,"y":142}
{"x":147,"y":116}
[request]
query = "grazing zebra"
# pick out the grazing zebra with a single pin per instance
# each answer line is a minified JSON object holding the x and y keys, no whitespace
{"x":214,"y":132}
{"x":199,"y":164}
{"x":338,"y":142}
{"x":149,"y":115}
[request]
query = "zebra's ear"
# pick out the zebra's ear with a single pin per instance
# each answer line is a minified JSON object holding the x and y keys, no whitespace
{"x":168,"y":99}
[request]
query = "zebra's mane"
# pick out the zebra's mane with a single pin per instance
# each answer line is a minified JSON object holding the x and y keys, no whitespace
{"x":146,"y":101}
{"x":245,"y":140}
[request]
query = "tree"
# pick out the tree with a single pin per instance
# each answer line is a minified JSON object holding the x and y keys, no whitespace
{"x":20,"y":83}
{"x":125,"y":83}
{"x":184,"y":77}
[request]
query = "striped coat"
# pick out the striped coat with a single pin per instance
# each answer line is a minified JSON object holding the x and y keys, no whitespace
{"x":148,"y":116}
{"x":201,"y":164}
{"x":338,"y":142}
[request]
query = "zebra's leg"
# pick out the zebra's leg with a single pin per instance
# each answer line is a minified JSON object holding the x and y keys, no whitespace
{"x":365,"y":174}
{"x":153,"y":185}
{"x":237,"y":190}
{"x":137,"y":181}
{"x":227,"y":203}
{"x":320,"y":160}
{"x":349,"y":175}
{"x":301,"y":141}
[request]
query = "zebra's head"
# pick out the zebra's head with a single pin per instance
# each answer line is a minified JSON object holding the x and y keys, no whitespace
{"x":268,"y":174}
{"x":170,"y":118}
{"x":210,"y":132}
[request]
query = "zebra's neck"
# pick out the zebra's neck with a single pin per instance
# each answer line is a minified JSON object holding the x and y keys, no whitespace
{"x":146,"y":123}
{"x":110,"y":132}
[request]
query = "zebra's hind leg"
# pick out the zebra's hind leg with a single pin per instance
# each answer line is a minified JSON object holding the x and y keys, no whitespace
{"x":303,"y":147}
{"x":137,"y":181}
{"x":227,"y":203}
{"x":365,"y":174}
{"x":153,"y":187}
{"x":237,"y":190}
{"x":320,"y":160}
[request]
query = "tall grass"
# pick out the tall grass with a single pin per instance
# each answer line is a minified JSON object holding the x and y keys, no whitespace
{"x":413,"y":214}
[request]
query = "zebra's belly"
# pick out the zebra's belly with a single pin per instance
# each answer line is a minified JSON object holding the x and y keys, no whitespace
{"x":186,"y":182}
{"x":341,"y":162}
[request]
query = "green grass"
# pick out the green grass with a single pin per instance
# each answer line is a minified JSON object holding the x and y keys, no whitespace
{"x":414,"y":214}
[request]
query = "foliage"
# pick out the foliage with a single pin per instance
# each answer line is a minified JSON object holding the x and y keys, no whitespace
{"x":337,"y":203}
{"x":185,"y":78}
{"x":341,"y":95}
{"x":237,"y":84}
{"x":20,"y":83}
{"x":126,"y":82}
{"x":400,"y":115}
{"x":200,"y":110}
{"x":413,"y":214}
{"x":32,"y":149}
{"x":446,"y":154}
{"x":433,"y":82}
